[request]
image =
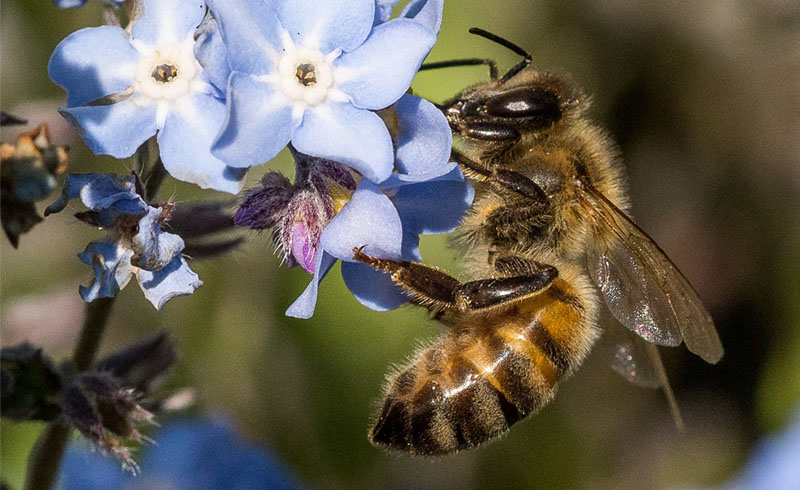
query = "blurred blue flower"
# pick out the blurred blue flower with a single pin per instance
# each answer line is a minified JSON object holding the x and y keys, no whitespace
{"x":188,"y":455}
{"x":72,"y":4}
{"x":124,"y":86}
{"x":775,"y":464}
{"x":134,"y":245}
{"x":311,"y":72}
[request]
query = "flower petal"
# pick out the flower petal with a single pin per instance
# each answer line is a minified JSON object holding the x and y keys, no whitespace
{"x":108,"y":194}
{"x":354,"y":137}
{"x":251,"y":31}
{"x":154,"y":248}
{"x":185,"y":145}
{"x":118,"y":129}
{"x":303,"y":307}
{"x":210,"y":51}
{"x":424,"y":141}
{"x":174,"y":279}
{"x":161,"y":22}
{"x":111,"y":264}
{"x":327,"y":24}
{"x":375,"y":289}
{"x":445,"y":172}
{"x":383,"y":10}
{"x":259,"y":123}
{"x":368,"y":219}
{"x":426,"y":12}
{"x":434,"y":207}
{"x":92,"y":63}
{"x":378,"y":73}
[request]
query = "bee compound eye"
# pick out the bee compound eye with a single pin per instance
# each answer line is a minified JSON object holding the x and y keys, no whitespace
{"x":524,"y":103}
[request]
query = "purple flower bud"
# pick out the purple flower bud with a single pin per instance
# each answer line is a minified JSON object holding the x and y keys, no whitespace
{"x":262,"y":206}
{"x":298,"y":212}
{"x":301,"y":228}
{"x":304,"y":250}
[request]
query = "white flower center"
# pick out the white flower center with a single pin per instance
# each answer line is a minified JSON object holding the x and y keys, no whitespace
{"x":305,"y":75}
{"x":166,"y":73}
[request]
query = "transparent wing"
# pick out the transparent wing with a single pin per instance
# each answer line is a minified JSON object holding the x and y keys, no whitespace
{"x":626,"y":353}
{"x":642,"y":288}
{"x":636,"y":360}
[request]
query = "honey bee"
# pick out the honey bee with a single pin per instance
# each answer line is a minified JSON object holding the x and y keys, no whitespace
{"x":548,"y":236}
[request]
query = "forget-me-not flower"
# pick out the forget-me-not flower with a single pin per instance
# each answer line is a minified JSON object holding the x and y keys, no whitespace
{"x":126,"y":85}
{"x":135,"y":244}
{"x":328,"y":212}
{"x":312,"y":72}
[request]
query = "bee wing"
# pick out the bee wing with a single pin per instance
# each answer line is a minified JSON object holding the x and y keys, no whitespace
{"x":642,"y":288}
{"x":627,"y":353}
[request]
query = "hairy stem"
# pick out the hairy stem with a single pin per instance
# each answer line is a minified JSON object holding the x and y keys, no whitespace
{"x":45,"y":458}
{"x":154,"y":180}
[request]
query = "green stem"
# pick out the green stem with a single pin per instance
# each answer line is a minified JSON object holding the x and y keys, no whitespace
{"x":45,"y":458}
{"x":154,"y":180}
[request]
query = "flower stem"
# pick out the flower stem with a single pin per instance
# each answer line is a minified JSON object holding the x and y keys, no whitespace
{"x":154,"y":180}
{"x":45,"y":458}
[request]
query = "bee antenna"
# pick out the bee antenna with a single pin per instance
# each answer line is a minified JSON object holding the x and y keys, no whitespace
{"x":493,"y":73}
{"x":527,"y":58}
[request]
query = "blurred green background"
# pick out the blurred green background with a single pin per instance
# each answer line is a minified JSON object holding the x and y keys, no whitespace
{"x":703,"y":98}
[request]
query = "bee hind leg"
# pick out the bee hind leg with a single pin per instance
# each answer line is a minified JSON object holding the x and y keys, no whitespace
{"x":439,"y":292}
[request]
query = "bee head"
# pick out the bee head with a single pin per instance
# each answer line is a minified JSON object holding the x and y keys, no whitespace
{"x":522,"y":102}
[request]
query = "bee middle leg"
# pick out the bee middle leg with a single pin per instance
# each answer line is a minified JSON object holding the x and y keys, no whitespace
{"x":506,"y":181}
{"x":439,"y":292}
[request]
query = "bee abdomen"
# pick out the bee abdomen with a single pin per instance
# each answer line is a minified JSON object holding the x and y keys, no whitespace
{"x":459,"y":402}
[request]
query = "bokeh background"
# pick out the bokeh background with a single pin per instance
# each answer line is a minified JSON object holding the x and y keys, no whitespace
{"x":703,"y":98}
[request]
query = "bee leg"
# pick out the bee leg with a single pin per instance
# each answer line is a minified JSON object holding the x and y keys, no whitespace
{"x":473,"y":168}
{"x":503,"y":180}
{"x":440,"y":292}
{"x":512,"y":265}
{"x":487,"y":293}
{"x":507,"y":222}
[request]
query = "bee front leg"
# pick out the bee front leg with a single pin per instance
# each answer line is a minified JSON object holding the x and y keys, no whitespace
{"x":439,"y":292}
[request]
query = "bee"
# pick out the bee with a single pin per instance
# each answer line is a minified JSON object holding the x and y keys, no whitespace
{"x":548,"y":241}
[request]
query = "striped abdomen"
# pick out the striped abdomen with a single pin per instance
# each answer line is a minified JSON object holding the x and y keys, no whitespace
{"x":486,"y":373}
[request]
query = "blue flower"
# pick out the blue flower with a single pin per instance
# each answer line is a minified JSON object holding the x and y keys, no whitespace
{"x":773,"y":464}
{"x":328,"y":212}
{"x":73,"y":4}
{"x":312,"y":72}
{"x":135,"y":244}
{"x":188,"y":455}
{"x":124,"y":86}
{"x":387,"y":222}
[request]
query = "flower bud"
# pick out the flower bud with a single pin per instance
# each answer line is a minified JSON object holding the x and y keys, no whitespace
{"x":263,"y":206}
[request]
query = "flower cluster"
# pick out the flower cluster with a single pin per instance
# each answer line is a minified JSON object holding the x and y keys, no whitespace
{"x":126,"y":85}
{"x":226,"y":85}
{"x":329,"y":211}
{"x":135,"y":244}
